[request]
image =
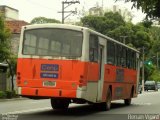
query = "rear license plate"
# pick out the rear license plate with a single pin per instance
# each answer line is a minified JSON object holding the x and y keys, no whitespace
{"x":49,"y":83}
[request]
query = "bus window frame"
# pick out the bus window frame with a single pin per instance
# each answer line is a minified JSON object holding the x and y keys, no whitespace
{"x":22,"y":51}
{"x":93,"y":52}
{"x":110,"y":54}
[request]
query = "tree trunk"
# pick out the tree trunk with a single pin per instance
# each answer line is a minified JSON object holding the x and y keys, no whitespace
{"x":11,"y":74}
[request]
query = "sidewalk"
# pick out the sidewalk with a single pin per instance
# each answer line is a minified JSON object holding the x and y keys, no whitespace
{"x":13,"y":99}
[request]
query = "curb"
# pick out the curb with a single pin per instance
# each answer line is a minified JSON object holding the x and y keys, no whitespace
{"x":13,"y":99}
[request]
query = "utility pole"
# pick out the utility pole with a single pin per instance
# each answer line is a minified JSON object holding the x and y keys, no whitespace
{"x":124,"y":39}
{"x":66,"y":4}
{"x":157,"y":61}
{"x":143,"y":68}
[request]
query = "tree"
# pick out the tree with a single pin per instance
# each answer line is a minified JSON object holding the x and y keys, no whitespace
{"x":121,"y":31}
{"x":150,"y":7}
{"x":154,"y":32}
{"x":4,"y":40}
{"x":5,"y":51}
{"x":104,"y":23}
{"x":41,"y":20}
{"x":155,"y":75}
{"x":114,"y":26}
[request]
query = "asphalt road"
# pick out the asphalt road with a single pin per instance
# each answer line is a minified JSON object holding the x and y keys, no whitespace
{"x":144,"y":106}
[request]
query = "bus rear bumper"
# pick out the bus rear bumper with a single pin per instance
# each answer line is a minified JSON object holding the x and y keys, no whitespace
{"x":46,"y":92}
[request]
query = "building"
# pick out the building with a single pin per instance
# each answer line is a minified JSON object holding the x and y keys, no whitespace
{"x":98,"y":11}
{"x":127,"y":15}
{"x":15,"y":28}
{"x":11,"y":17}
{"x":9,"y":13}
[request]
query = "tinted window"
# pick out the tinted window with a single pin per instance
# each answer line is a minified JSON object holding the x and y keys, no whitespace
{"x":52,"y":42}
{"x":110,"y":52}
{"x":118,"y":54}
{"x":123,"y":58}
{"x":93,"y":48}
{"x":149,"y":82}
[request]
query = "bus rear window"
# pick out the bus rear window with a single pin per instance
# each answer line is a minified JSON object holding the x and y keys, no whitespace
{"x":52,"y":42}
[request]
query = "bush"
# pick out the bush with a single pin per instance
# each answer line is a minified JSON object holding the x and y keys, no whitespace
{"x":155,"y":76}
{"x":9,"y":94}
{"x":2,"y":94}
{"x":14,"y":94}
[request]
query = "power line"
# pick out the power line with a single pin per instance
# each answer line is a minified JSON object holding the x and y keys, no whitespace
{"x":66,"y":4}
{"x":40,"y":5}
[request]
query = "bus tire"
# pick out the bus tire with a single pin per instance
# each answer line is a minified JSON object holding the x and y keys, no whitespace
{"x":57,"y":103}
{"x":128,"y":101}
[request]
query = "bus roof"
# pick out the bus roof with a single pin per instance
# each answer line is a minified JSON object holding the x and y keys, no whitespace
{"x":74,"y":27}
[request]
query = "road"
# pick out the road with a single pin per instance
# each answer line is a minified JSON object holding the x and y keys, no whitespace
{"x":27,"y":109}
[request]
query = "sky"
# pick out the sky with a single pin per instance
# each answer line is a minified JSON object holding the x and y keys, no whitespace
{"x":29,"y":9}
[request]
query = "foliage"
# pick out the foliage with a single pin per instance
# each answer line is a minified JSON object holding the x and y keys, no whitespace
{"x":4,"y":41}
{"x":147,"y":23}
{"x":149,"y":69}
{"x":155,"y":76}
{"x":155,"y":50}
{"x":41,"y":20}
{"x":105,"y":23}
{"x":150,"y":7}
{"x":2,"y":94}
{"x":154,"y":32}
{"x":114,"y":26}
{"x":8,"y":94}
{"x":11,"y":94}
{"x":5,"y":49}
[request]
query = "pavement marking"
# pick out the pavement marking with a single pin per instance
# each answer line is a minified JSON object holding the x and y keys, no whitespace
{"x":29,"y":110}
{"x":149,"y":92}
{"x":142,"y":103}
{"x":37,"y":109}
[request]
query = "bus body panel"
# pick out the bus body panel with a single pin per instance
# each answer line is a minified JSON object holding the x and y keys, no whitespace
{"x":69,"y":75}
{"x":47,"y":93}
{"x":121,"y":87}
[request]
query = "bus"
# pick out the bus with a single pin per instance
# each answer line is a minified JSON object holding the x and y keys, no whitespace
{"x":74,"y":64}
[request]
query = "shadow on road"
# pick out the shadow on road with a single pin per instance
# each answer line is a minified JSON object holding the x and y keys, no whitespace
{"x":79,"y":110}
{"x":83,"y":112}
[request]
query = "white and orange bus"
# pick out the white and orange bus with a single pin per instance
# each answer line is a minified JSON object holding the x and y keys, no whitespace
{"x":73,"y":64}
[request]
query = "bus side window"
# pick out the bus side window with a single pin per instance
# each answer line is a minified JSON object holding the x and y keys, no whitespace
{"x":118,"y":54}
{"x":123,"y":59}
{"x":133,"y":60}
{"x":137,"y":60}
{"x":93,"y":48}
{"x":110,"y":53}
{"x":129,"y":59}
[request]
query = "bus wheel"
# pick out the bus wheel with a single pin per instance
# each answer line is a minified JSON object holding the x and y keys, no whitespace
{"x":127,"y":101}
{"x":107,"y":104}
{"x":59,"y":103}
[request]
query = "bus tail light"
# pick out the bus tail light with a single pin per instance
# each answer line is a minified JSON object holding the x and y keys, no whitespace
{"x":81,"y":81}
{"x":18,"y":75}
